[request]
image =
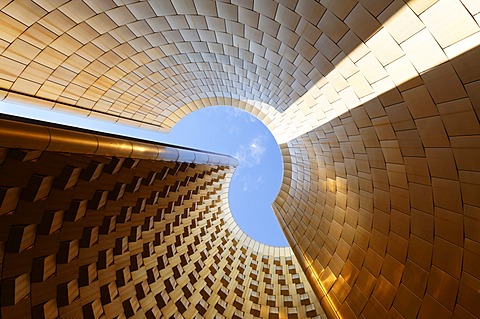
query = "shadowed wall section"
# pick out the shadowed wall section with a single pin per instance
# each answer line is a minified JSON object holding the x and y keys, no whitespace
{"x":389,"y":195}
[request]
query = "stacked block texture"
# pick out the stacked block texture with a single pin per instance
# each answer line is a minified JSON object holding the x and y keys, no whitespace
{"x":105,"y":237}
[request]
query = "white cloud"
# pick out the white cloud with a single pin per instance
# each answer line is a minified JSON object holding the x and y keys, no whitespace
{"x":234,"y":112}
{"x":235,"y":129}
{"x":259,"y":180}
{"x":252,"y":154}
{"x":253,"y":185}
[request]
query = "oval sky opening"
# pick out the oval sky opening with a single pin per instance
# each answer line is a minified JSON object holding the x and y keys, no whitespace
{"x":258,"y":177}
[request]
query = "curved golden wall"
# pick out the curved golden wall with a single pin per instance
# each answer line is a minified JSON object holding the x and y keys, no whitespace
{"x":389,"y":195}
{"x":295,"y":64}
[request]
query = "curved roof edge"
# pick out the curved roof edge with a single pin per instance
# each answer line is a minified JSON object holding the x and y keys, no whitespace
{"x":56,"y":138}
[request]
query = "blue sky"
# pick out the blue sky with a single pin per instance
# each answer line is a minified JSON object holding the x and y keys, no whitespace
{"x":221,"y":129}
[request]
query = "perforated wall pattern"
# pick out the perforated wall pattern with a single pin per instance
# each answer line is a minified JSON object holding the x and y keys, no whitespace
{"x":106,"y":237}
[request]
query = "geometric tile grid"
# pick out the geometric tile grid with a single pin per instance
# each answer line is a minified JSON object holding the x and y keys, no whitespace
{"x":390,"y":198}
{"x":294,"y":64}
{"x":376,"y":105}
{"x":108,"y":237}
